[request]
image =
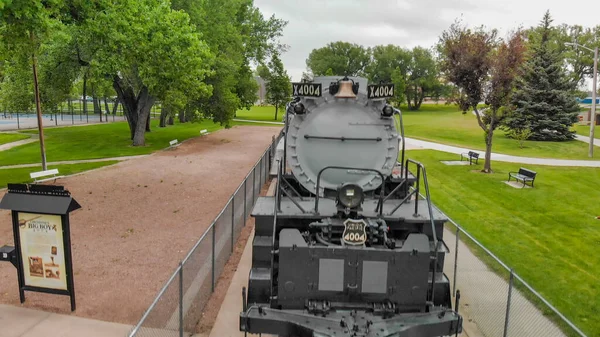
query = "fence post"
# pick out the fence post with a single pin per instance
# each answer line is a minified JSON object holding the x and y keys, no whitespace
{"x":180,"y":299}
{"x":245,"y":195}
{"x":260,"y":175}
{"x":455,"y":260}
{"x":214,"y":224}
{"x":510,"y":286}
{"x":232,"y":220}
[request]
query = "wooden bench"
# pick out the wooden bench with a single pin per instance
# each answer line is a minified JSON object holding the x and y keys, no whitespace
{"x":471,"y":155}
{"x":524,"y":175}
{"x":41,"y":174}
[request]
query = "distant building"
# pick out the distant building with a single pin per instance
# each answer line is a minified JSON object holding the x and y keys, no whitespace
{"x":262,"y":90}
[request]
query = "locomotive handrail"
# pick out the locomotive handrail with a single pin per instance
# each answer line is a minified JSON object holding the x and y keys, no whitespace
{"x":421,"y":167}
{"x":397,"y":111}
{"x":349,"y":168}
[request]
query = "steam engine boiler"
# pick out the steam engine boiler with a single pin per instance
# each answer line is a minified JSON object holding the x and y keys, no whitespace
{"x":349,"y":244}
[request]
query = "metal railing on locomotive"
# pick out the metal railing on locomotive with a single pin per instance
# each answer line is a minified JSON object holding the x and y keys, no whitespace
{"x":382,"y":198}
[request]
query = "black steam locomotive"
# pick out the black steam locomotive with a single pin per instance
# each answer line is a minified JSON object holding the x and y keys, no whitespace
{"x":346,"y":246}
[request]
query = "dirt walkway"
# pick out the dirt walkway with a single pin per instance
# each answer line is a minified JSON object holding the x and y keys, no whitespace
{"x":139,"y":218}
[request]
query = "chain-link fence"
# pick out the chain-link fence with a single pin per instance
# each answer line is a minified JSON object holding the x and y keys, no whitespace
{"x":178,"y":306}
{"x":494,"y":300}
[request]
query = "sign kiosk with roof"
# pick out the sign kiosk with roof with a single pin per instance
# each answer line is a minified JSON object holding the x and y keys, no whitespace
{"x":42,"y":238}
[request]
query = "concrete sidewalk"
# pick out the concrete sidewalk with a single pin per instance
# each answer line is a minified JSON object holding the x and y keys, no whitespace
{"x":422,"y":144}
{"x":22,"y":322}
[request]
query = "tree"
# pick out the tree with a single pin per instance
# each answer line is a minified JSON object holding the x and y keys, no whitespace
{"x":544,"y":97}
{"x":238,"y":35}
{"x":279,"y":88}
{"x":421,"y":77}
{"x":25,"y":25}
{"x":389,"y":65}
{"x":137,"y":37}
{"x":344,"y":59}
{"x":483,"y":68}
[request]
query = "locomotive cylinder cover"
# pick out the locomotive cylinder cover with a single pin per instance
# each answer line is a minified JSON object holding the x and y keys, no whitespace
{"x":343,"y":132}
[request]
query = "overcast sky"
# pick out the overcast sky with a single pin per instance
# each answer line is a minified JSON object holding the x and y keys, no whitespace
{"x":407,"y":23}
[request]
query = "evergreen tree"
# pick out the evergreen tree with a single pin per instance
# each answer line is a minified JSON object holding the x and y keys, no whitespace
{"x":543,"y":100}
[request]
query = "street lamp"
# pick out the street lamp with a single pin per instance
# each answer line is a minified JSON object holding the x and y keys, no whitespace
{"x":594,"y":80}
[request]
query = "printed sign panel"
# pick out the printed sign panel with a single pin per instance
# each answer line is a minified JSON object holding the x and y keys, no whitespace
{"x":306,"y":89}
{"x":354,"y":232}
{"x":375,"y":91}
{"x":42,"y":250}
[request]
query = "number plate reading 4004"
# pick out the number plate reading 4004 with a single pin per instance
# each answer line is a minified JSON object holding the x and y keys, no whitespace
{"x":306,"y":89}
{"x":354,"y":232}
{"x":380,"y":91}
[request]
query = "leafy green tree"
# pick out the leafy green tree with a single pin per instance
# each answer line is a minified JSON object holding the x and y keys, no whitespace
{"x":389,"y":65}
{"x":279,"y":88}
{"x":137,"y":37}
{"x":421,"y":77}
{"x":482,"y":68}
{"x":238,"y":34}
{"x":25,"y":25}
{"x":543,"y":99}
{"x":343,"y":58}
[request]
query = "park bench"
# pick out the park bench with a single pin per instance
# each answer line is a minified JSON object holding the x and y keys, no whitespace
{"x":174,"y":143}
{"x":203,"y":132}
{"x":523,"y":175}
{"x":471,"y":155}
{"x":41,"y":174}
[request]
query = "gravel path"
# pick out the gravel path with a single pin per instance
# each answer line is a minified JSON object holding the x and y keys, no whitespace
{"x":138,"y":220}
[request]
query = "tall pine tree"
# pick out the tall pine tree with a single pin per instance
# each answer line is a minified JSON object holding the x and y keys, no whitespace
{"x":543,"y":101}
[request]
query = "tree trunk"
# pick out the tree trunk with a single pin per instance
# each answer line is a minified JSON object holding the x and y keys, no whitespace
{"x":115,"y":107}
{"x":135,"y":108}
{"x":170,"y":121}
{"x":85,"y":93}
{"x":97,"y":109}
{"x":38,"y":109}
{"x":163,"y":117}
{"x":148,"y":120}
{"x":106,"y":108}
{"x":182,"y":118}
{"x":276,"y":110}
{"x":487,"y":167}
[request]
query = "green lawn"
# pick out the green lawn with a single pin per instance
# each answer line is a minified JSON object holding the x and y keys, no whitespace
{"x":21,"y":175}
{"x":11,"y":137}
{"x":584,"y":130}
{"x":261,"y":113}
{"x":548,"y":234}
{"x":445,"y":124}
{"x":100,"y":141}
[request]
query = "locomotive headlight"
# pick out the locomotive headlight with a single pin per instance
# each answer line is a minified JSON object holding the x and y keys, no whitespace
{"x":350,"y":195}
{"x":387,"y":111}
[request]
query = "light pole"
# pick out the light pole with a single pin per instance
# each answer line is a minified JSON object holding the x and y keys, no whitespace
{"x":594,"y":81}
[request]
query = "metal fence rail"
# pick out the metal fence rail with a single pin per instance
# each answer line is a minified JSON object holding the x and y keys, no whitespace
{"x":178,"y":306}
{"x":496,"y":301}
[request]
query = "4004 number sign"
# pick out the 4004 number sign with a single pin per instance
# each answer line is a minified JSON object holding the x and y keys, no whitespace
{"x":380,"y":91}
{"x":307,"y":89}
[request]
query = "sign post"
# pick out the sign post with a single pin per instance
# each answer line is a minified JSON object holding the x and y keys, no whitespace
{"x":42,"y":238}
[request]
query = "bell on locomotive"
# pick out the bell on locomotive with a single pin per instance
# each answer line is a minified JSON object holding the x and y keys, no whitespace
{"x":344,"y":246}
